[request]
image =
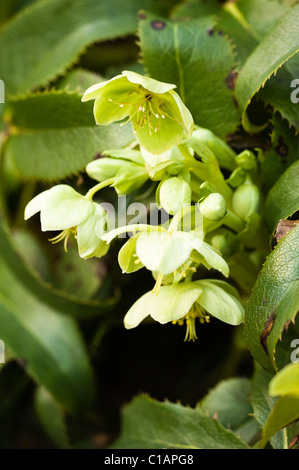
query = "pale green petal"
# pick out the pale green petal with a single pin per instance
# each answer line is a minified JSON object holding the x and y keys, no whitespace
{"x":169,"y":134}
{"x":185,"y":116}
{"x":172,"y":303}
{"x":129,"y":178}
{"x":108,"y":237}
{"x":64,"y":208}
{"x":35,"y":205}
{"x":219,"y":303}
{"x":127,"y":258}
{"x":89,"y":234}
{"x":162,"y":252}
{"x":115,"y":101}
{"x":148,"y":83}
{"x":126,"y":154}
{"x":105,"y":168}
{"x":212,"y":257}
{"x":94,"y":91}
{"x":105,"y":112}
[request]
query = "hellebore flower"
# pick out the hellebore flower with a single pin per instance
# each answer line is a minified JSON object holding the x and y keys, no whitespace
{"x":163,"y":251}
{"x":62,"y":208}
{"x":187,"y":301}
{"x":158,"y":116}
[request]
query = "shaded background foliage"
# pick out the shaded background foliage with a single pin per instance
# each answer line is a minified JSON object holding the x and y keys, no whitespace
{"x":71,"y":366}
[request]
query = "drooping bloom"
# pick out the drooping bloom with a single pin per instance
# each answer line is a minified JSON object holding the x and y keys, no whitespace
{"x":164,"y":251}
{"x":62,"y":208}
{"x":186,"y":301}
{"x":158,"y":116}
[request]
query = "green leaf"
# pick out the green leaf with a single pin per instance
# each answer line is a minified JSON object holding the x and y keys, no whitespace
{"x":240,"y":34}
{"x":274,"y":300}
{"x":283,"y":198}
{"x":47,"y":340}
{"x":53,"y":109}
{"x":262,"y":403}
{"x":79,"y":80}
{"x":45,"y":51}
{"x":277,"y":93}
{"x":52,"y":417}
{"x":198,"y":63}
{"x":280,"y":44}
{"x":56,"y":135}
{"x":285,"y":411}
{"x":148,"y":424}
{"x":286,"y":382}
{"x":283,"y":152}
{"x":45,"y":292}
{"x":261,"y":15}
{"x":228,"y":402}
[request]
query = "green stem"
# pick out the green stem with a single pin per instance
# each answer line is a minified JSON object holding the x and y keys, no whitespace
{"x":98,"y":187}
{"x":234,"y":222}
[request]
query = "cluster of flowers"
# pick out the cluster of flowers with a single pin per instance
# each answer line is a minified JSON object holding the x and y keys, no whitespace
{"x":186,"y":163}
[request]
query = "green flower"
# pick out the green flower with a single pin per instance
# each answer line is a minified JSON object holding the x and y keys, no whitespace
{"x":62,"y":208}
{"x":158,"y":116}
{"x":163,"y":251}
{"x":187,"y":301}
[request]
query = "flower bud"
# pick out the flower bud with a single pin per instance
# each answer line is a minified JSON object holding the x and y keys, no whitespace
{"x":246,"y":160}
{"x":246,"y":200}
{"x":174,"y":193}
{"x":225,"y":243}
{"x":213,"y":207}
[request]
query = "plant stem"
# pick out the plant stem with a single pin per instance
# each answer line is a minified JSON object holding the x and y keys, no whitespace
{"x":99,"y":186}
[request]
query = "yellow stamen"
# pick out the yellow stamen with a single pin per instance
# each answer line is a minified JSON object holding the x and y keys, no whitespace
{"x":157,"y":286}
{"x":64,"y":235}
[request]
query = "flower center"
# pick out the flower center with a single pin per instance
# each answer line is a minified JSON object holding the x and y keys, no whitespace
{"x":148,"y":111}
{"x":196,"y":311}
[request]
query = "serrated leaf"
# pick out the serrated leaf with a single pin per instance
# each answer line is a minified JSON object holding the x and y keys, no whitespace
{"x":198,"y":63}
{"x":283,"y":152}
{"x":228,"y":402}
{"x":148,"y":424}
{"x":277,"y":93}
{"x":44,"y":39}
{"x":280,"y":44}
{"x":67,"y":150}
{"x":79,"y":80}
{"x":56,"y":136}
{"x":53,"y":109}
{"x":274,"y":300}
{"x":52,"y":417}
{"x":283,"y":198}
